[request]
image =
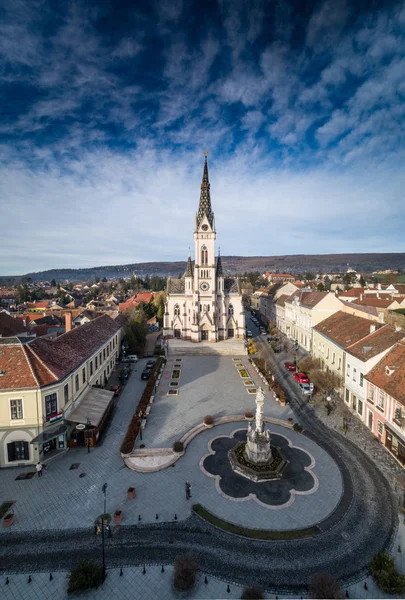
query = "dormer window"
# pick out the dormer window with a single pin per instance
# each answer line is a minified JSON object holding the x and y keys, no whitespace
{"x":389,"y":370}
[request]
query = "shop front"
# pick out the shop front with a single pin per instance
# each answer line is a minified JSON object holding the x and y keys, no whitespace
{"x":89,"y":419}
{"x":395,"y":444}
{"x":51,"y":440}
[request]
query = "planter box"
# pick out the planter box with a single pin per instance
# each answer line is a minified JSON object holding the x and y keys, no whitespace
{"x":118,"y":517}
{"x":131,"y":493}
{"x":8,"y":520}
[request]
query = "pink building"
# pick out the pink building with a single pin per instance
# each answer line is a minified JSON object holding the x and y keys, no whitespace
{"x":385,"y":401}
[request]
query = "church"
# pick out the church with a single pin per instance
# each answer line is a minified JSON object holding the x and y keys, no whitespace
{"x":204,"y":304}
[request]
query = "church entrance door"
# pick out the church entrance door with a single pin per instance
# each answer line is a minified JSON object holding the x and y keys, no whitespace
{"x":177,"y":333}
{"x":204,"y":335}
{"x":231,"y":333}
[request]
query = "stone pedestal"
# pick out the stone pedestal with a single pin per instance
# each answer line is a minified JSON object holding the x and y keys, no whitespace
{"x":258,"y":449}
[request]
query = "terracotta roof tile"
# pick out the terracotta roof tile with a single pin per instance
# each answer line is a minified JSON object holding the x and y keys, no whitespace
{"x":18,"y":373}
{"x":308,"y":299}
{"x":376,"y":342}
{"x":393,"y":384}
{"x":345,"y":329}
{"x":377,"y":302}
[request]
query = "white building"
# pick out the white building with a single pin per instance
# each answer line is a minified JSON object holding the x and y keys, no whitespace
{"x":203,"y":304}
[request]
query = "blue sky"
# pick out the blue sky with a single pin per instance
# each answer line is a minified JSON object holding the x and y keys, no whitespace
{"x":108,"y":106}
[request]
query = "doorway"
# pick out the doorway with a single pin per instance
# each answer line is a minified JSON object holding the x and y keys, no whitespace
{"x":370,"y":420}
{"x":204,"y":335}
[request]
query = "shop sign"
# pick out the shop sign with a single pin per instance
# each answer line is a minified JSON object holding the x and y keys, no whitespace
{"x":55,"y":418}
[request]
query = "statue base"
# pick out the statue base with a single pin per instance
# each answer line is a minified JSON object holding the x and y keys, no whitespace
{"x":257,"y":472}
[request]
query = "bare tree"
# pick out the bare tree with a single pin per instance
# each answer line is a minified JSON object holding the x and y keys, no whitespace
{"x":324,"y":585}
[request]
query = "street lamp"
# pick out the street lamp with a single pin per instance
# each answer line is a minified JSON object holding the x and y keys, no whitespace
{"x":295,"y":356}
{"x":140,"y":424}
{"x":104,"y":489}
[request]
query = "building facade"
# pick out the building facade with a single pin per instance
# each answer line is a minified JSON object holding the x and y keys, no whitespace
{"x":43,"y":382}
{"x":204,"y":304}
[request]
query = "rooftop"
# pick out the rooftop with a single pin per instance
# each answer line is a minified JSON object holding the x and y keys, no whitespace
{"x":345,"y":329}
{"x":389,"y":373}
{"x":375,"y":343}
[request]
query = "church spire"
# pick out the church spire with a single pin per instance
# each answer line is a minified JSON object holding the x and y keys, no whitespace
{"x":189,"y":268}
{"x":204,"y":208}
{"x":219,"y":270}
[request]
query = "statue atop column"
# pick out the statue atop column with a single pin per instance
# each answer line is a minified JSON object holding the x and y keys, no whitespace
{"x":258,"y":448}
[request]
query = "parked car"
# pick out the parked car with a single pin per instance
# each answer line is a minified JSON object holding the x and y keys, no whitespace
{"x":145,"y":374}
{"x":249,"y":334}
{"x":150,"y":364}
{"x":263,"y":331}
{"x":132,"y":358}
{"x":116,"y":389}
{"x":290,"y":366}
{"x":305,"y":389}
{"x":301,"y":377}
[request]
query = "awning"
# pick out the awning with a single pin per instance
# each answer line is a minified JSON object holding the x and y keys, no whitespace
{"x":49,"y":434}
{"x":92,"y":407}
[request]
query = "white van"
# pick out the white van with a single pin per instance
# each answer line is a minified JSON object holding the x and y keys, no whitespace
{"x":132,"y":358}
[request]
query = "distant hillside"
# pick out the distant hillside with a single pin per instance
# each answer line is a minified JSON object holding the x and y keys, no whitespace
{"x":297,"y":263}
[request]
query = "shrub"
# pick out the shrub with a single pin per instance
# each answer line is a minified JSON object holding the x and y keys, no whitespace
{"x":178,"y":446}
{"x":324,"y":585}
{"x":385,"y":574}
{"x":209,"y":420}
{"x":85,"y":576}
{"x":253,"y":592}
{"x":248,"y":414}
{"x":297,"y":427}
{"x":185,"y":570}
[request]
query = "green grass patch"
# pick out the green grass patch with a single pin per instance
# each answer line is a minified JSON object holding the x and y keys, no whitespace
{"x":176,"y":374}
{"x":243,"y":373}
{"x":255,"y":534}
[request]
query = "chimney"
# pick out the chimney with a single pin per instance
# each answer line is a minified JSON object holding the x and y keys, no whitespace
{"x":372,"y":328}
{"x":68,"y":321}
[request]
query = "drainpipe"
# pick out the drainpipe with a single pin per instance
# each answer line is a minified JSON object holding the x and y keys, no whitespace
{"x":37,"y":419}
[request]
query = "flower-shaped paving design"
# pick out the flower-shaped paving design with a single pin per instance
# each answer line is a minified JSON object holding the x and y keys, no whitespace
{"x":297,"y":477}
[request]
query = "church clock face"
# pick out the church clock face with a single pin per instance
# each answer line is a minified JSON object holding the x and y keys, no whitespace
{"x":204,"y":286}
{"x":204,"y":227}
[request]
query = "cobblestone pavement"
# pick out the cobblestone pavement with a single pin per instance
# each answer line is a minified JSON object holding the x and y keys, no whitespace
{"x":344,"y":549}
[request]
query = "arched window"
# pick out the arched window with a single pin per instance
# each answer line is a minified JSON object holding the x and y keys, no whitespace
{"x":204,"y":255}
{"x":177,"y":310}
{"x":230,"y":310}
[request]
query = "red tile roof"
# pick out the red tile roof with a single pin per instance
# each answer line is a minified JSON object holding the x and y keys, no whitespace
{"x":393,"y":384}
{"x":345,"y":329}
{"x":377,"y":302}
{"x":308,"y":299}
{"x":371,"y":345}
{"x":45,"y":361}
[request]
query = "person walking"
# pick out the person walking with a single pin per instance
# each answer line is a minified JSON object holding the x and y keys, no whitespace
{"x":39,"y":467}
{"x":188,"y":490}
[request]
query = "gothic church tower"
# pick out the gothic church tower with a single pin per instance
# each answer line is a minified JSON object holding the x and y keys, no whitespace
{"x":203,"y":304}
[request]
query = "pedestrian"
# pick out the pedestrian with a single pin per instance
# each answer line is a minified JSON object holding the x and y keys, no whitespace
{"x":39,"y":469}
{"x":188,"y":490}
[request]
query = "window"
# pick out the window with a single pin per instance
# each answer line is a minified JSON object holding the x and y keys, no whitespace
{"x":327,"y":353}
{"x":108,"y":351}
{"x":77,"y":382}
{"x":230,"y":310}
{"x":16,"y":409}
{"x":379,"y":427}
{"x":380,"y":401}
{"x":96,"y":361}
{"x":204,"y":255}
{"x":370,"y":396}
{"x":361,"y":379}
{"x":177,"y":310}
{"x":354,"y":374}
{"x":339,"y":363}
{"x":360,"y":407}
{"x":66,"y":393}
{"x":323,"y":348}
{"x":51,"y":406}
{"x":103,"y":353}
{"x":319,"y":345}
{"x":91,"y":368}
{"x":348,"y":370}
{"x":399,"y":415}
{"x":18,"y":451}
{"x":347,"y":396}
{"x":84,"y":375}
{"x":101,"y":360}
{"x":333,"y":358}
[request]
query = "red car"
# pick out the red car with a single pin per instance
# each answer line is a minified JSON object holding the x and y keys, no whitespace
{"x":116,"y":389}
{"x":290,"y":366}
{"x":301,"y":377}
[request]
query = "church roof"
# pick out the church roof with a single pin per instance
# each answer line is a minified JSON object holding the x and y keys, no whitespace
{"x":231,"y":285}
{"x":175,"y":286}
{"x":204,"y":208}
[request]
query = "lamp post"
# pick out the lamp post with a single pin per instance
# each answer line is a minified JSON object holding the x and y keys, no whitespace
{"x":295,"y":354}
{"x":104,"y":489}
{"x":88,"y":427}
{"x":140,"y":424}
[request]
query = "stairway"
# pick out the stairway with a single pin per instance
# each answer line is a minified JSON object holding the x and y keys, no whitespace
{"x":230,"y":347}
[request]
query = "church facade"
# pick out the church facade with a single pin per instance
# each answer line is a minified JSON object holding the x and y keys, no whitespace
{"x":204,"y":304}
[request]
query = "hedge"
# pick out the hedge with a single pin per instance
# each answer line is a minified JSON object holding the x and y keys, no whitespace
{"x":133,"y":428}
